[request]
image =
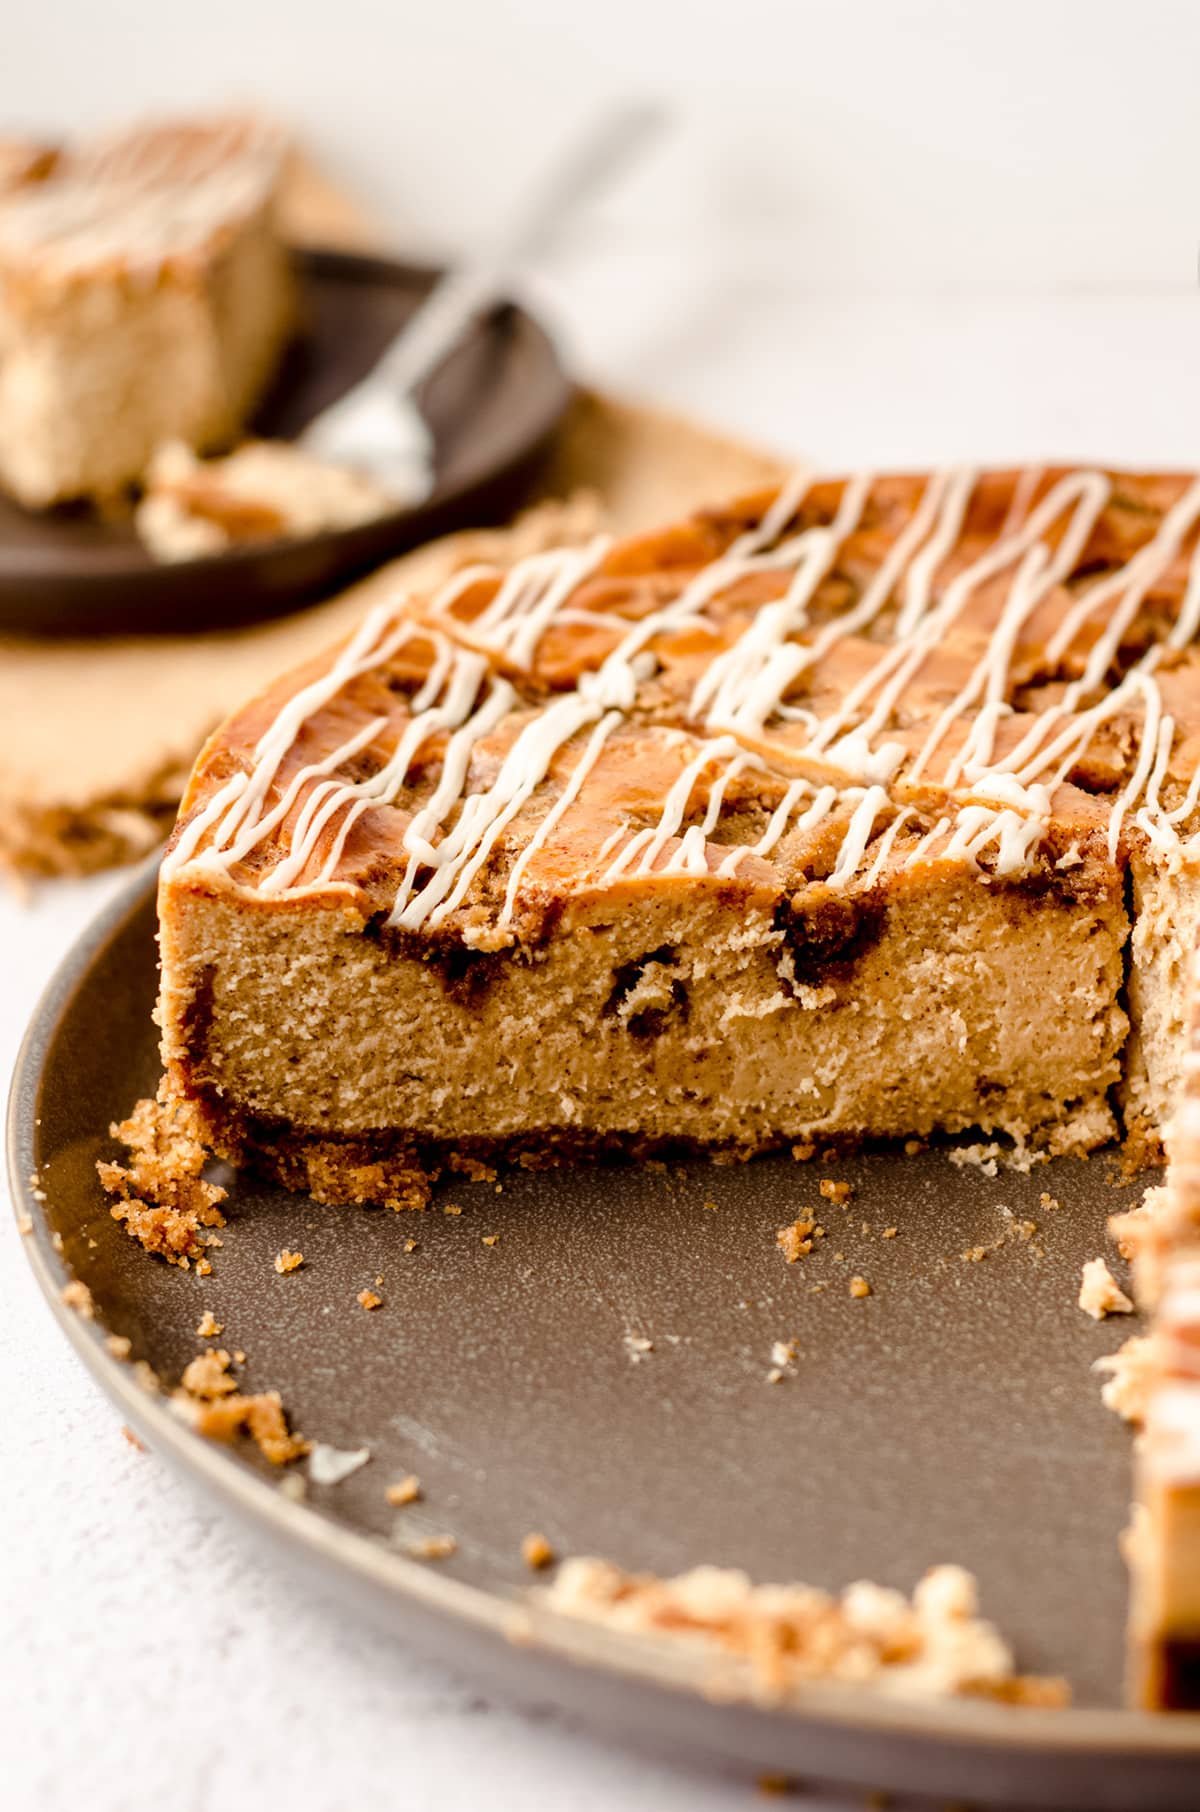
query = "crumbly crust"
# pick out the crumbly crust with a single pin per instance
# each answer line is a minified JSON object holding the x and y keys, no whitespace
{"x":262,"y":491}
{"x":210,"y":1398}
{"x":161,"y":1197}
{"x":787,"y":1636}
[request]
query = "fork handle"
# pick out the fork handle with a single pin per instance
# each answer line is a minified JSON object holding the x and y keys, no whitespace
{"x":592,"y":161}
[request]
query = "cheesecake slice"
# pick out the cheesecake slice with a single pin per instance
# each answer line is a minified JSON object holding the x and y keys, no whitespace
{"x":566,"y":858}
{"x":145,"y":296}
{"x":856,"y":809}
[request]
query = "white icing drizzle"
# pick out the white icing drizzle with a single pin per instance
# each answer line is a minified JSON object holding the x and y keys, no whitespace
{"x":535,"y":592}
{"x":873,"y":804}
{"x":883,"y":848}
{"x":531,"y":595}
{"x":466,"y":846}
{"x":1015,"y":837}
{"x":1083,"y":492}
{"x":569,"y":794}
{"x":648,"y":844}
{"x":823,"y":802}
{"x":924,"y":844}
{"x":1008,"y":805}
{"x":957,"y":489}
{"x":742,"y":685}
{"x":238,"y":804}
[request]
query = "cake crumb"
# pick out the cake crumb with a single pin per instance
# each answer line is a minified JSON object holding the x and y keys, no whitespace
{"x":1099,"y":1292}
{"x":796,"y":1240}
{"x":451,"y":1208}
{"x":783,"y":1352}
{"x":160,"y":1196}
{"x":804,"y":1151}
{"x":286,"y":1261}
{"x":134,"y":1440}
{"x":119,"y":1345}
{"x":983,"y":1157}
{"x":471,"y":1168}
{"x":490,"y":1239}
{"x":933,"y":1644}
{"x":637,"y":1346}
{"x":1048,"y":1202}
{"x":913,"y":1146}
{"x":77,"y":1296}
{"x":208,"y":1327}
{"x":1134,"y":1229}
{"x":536,"y":1551}
{"x":890,"y":1232}
{"x":404,"y":1491}
{"x":859,"y":1287}
{"x":208,"y":1375}
{"x":410,"y":1245}
{"x":24,"y":1224}
{"x":432,"y":1547}
{"x":368,"y":1299}
{"x":1132,"y":1371}
{"x":218,"y":1410}
{"x":835,"y":1192}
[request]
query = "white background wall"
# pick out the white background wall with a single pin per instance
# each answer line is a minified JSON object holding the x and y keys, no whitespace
{"x":886,"y":232}
{"x":848,"y":143}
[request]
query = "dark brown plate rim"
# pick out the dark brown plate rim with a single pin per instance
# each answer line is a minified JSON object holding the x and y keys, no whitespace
{"x":626,"y":1687}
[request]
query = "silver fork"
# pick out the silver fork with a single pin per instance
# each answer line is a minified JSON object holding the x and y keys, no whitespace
{"x":377,"y":427}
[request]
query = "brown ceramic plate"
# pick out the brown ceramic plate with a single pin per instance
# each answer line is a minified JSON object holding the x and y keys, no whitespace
{"x":491,"y":408}
{"x":952,"y":1415}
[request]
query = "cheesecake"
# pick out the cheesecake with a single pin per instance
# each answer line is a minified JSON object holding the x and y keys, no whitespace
{"x":146,"y":296}
{"x":855,"y":809}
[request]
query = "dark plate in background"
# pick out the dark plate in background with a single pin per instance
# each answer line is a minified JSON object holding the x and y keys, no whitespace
{"x":491,"y":407}
{"x":951,"y":1416}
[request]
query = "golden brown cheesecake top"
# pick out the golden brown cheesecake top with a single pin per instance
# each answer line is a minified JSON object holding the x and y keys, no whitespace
{"x":833,"y":685}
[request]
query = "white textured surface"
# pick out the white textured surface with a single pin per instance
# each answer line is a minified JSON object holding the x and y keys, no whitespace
{"x":984,"y":245}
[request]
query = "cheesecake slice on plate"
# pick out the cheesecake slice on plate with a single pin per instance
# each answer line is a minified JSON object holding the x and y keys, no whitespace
{"x":145,"y":296}
{"x":856,"y":809}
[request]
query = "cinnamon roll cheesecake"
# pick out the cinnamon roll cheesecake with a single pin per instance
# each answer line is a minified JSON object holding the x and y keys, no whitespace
{"x":861,"y":808}
{"x":145,"y":296}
